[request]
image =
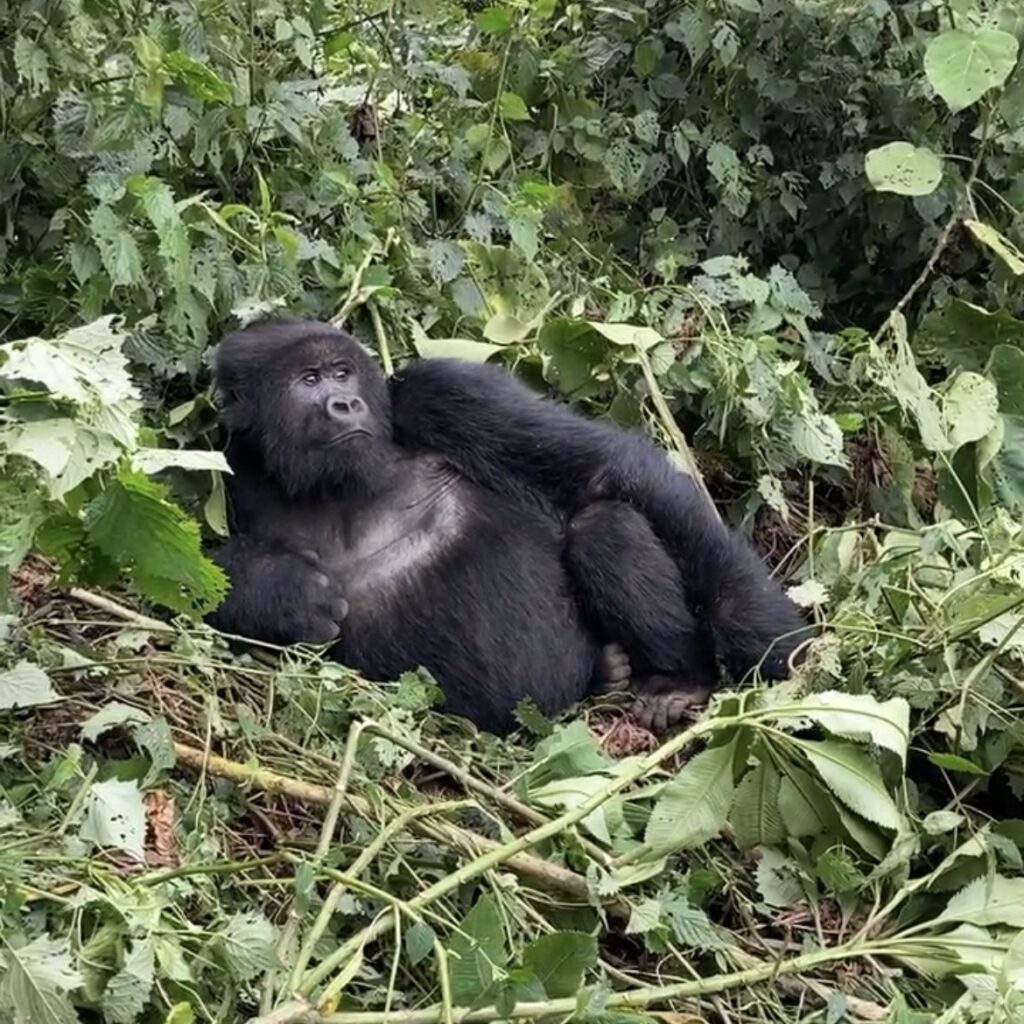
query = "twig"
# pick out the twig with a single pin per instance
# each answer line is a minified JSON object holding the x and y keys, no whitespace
{"x":550,"y":877}
{"x":119,"y":611}
{"x":382,"y":338}
{"x":354,"y":297}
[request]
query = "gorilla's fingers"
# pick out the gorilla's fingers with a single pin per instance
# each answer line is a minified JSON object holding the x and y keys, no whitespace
{"x":659,"y":711}
{"x":615,"y":668}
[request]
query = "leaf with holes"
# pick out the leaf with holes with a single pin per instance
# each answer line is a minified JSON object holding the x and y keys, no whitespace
{"x":37,"y":979}
{"x":962,"y":66}
{"x":970,"y":408}
{"x":999,"y":244}
{"x":904,"y":169}
{"x":560,"y":961}
{"x":115,"y":816}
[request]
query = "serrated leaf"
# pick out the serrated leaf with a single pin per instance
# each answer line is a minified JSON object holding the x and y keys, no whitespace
{"x":988,"y":901}
{"x":445,"y":260}
{"x":196,"y":78}
{"x":856,"y":717}
{"x":560,"y":961}
{"x":778,"y":879}
{"x":115,"y":817}
{"x":851,"y":774}
{"x":998,"y":243}
{"x":249,"y":943}
{"x":25,"y":686}
{"x":817,"y":437}
{"x":804,"y":805}
{"x":939,"y":822}
{"x":477,"y":952}
{"x":128,"y":991}
{"x":644,"y":915}
{"x":963,"y":66}
{"x":32,"y":64}
{"x":755,"y":814}
{"x":904,"y":169}
{"x":692,"y":927}
{"x":118,"y":250}
{"x":694,"y":806}
{"x":419,"y":942}
{"x":134,"y":525}
{"x":110,"y":717}
{"x":35,"y":985}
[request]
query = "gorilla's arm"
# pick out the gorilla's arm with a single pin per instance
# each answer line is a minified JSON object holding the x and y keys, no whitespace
{"x":277,"y":595}
{"x":495,"y":429}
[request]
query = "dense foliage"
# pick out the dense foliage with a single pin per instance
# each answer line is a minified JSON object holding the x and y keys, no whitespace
{"x":784,"y":236}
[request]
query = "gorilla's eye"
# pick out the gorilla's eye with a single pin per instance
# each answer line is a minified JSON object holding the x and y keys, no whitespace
{"x":342,"y":372}
{"x":311,"y":378}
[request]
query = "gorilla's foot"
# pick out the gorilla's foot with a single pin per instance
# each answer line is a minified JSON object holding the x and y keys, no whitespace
{"x":664,"y":701}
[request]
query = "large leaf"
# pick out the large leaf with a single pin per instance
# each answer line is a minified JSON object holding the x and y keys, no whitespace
{"x":560,"y":961}
{"x":987,"y":901}
{"x":35,"y":985}
{"x":128,"y":991}
{"x":966,"y":335}
{"x":477,"y":953}
{"x":854,"y":778}
{"x":904,"y":169}
{"x":694,"y":806}
{"x":856,"y":717}
{"x":970,"y":408}
{"x":962,"y":66}
{"x":249,"y":944}
{"x":1006,"y":367}
{"x":998,"y":243}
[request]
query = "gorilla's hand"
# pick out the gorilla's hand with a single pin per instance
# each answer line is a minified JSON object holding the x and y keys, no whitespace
{"x":282,"y":597}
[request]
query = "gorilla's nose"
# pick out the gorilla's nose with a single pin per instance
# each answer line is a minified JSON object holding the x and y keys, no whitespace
{"x":345,"y":408}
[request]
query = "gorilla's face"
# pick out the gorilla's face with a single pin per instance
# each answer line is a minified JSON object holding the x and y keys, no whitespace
{"x":311,"y":401}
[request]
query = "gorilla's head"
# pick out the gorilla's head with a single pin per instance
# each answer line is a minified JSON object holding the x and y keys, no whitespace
{"x":309,"y":401}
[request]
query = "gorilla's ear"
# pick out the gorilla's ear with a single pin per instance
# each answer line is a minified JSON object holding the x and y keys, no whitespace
{"x":234,"y":408}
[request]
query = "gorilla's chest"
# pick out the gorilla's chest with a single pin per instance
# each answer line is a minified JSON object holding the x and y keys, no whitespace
{"x":375,"y":546}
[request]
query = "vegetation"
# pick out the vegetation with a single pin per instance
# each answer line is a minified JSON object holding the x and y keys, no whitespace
{"x":784,"y":237}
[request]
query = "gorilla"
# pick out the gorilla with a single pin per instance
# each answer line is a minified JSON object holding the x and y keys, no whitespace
{"x":449,"y":518}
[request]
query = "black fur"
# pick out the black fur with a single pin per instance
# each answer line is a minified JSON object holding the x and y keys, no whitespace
{"x":453,"y":520}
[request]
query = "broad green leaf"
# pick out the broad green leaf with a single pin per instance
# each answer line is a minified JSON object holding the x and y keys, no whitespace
{"x":456,"y":348}
{"x":999,"y":244}
{"x":778,"y":879}
{"x":249,"y":943}
{"x":156,"y":460}
{"x":25,"y":686}
{"x":560,"y":961}
{"x":642,"y":338}
{"x":571,"y":792}
{"x":970,"y":408}
{"x":35,"y":985}
{"x":134,"y":525}
{"x":962,"y":950}
{"x":854,"y":778}
{"x":504,"y":329}
{"x":68,"y":451}
{"x":755,"y":816}
{"x":962,"y":66}
{"x":513,"y":108}
{"x":694,"y":806}
{"x":643,"y":916}
{"x":445,"y":260}
{"x":32,"y":64}
{"x":495,"y":20}
{"x":856,"y":717}
{"x":110,"y":716}
{"x":939,"y":822}
{"x":118,"y":250}
{"x":804,"y":806}
{"x":576,"y":352}
{"x":1006,"y":367}
{"x":128,"y":991}
{"x":966,"y":334}
{"x":988,"y":901}
{"x":477,"y":953}
{"x":115,"y":816}
{"x":158,"y":202}
{"x":904,"y":169}
{"x":692,"y":927}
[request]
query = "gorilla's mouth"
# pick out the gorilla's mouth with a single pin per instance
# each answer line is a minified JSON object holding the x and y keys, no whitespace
{"x":347,"y":436}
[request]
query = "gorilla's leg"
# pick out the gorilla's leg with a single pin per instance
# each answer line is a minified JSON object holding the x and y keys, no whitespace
{"x":633,"y":590}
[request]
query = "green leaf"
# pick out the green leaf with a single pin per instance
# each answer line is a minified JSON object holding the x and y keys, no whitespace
{"x":694,"y":806}
{"x":196,"y":78}
{"x":970,"y":408}
{"x":804,"y":806}
{"x":778,"y":879}
{"x":25,"y":686}
{"x":134,"y":525}
{"x":999,"y":244}
{"x":956,"y":763}
{"x":158,"y":202}
{"x":755,"y":816}
{"x":249,"y":943}
{"x":445,"y":260}
{"x":35,"y":985}
{"x":156,"y":460}
{"x":118,"y":251}
{"x":513,"y":108}
{"x":692,"y":927}
{"x":115,"y":816}
{"x":856,"y":717}
{"x":110,"y":716}
{"x":128,"y":991}
{"x":642,"y":338}
{"x":32,"y":64}
{"x":477,"y":953}
{"x":817,"y":437}
{"x":1006,"y":367}
{"x":966,"y":334}
{"x":904,"y":169}
{"x":456,"y":348}
{"x":854,"y":778}
{"x":560,"y":961}
{"x":419,"y":942}
{"x":962,"y":66}
{"x":987,"y":901}
{"x":504,"y":329}
{"x":939,"y":822}
{"x":495,"y":20}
